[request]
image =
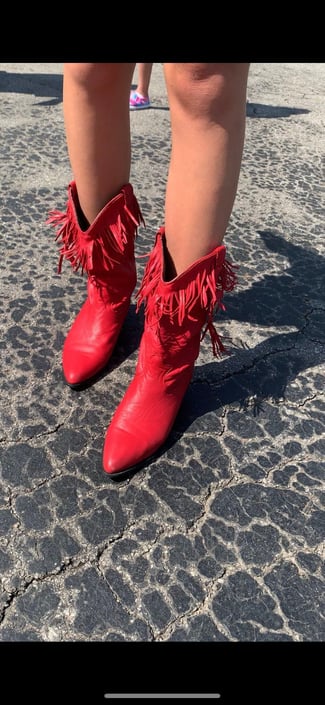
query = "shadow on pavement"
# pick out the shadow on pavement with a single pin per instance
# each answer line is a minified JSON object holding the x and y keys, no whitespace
{"x":294,"y":298}
{"x":258,"y":110}
{"x":38,"y":84}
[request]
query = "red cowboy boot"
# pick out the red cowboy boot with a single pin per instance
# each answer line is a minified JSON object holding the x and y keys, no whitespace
{"x":105,"y":251}
{"x":178,"y":314}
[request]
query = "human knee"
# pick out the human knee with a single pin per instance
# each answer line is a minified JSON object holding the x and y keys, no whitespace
{"x":95,"y":76}
{"x":206,"y":89}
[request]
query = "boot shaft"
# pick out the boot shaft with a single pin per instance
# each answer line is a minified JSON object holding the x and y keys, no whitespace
{"x":180,"y":312}
{"x":107,"y":245}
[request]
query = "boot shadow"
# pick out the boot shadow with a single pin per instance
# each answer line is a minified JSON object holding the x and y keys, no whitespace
{"x":296,"y":298}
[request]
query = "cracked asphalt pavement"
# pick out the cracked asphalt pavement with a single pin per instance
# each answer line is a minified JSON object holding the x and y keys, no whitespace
{"x":221,"y":538}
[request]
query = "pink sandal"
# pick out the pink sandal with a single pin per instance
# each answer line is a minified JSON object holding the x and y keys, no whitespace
{"x":138,"y":101}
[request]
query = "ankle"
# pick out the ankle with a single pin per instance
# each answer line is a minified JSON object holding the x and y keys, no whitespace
{"x":142,"y":94}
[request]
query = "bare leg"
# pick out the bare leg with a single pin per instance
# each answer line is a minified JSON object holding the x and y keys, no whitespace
{"x":207,"y":107}
{"x":97,"y":123}
{"x":144,"y":76}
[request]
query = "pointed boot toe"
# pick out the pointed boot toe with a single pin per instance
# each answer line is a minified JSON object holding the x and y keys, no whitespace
{"x":78,"y":369}
{"x":122,"y":451}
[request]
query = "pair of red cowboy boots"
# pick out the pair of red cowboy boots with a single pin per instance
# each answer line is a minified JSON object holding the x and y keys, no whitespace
{"x":177,"y":315}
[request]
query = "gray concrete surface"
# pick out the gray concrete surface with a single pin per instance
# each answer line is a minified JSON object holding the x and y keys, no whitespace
{"x":221,"y":539}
